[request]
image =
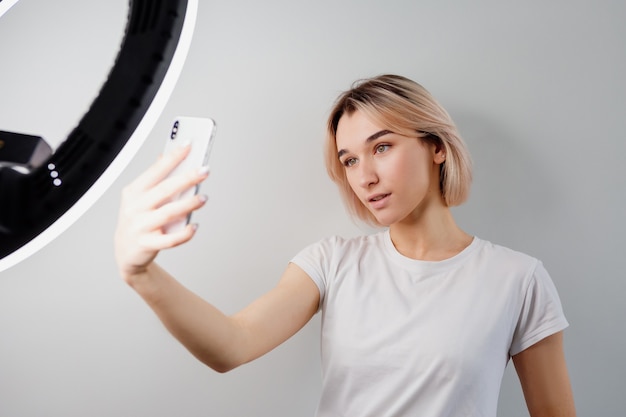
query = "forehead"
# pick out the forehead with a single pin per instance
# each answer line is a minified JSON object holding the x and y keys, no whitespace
{"x":354,"y":128}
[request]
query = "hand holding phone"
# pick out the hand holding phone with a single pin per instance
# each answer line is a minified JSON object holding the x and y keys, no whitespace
{"x":199,"y":133}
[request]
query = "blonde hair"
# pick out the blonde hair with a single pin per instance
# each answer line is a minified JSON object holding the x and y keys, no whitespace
{"x":404,"y":107}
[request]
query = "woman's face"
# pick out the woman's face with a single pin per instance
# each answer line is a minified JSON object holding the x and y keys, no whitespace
{"x":396,"y":177}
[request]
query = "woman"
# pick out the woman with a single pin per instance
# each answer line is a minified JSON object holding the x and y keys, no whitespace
{"x":418,"y":319}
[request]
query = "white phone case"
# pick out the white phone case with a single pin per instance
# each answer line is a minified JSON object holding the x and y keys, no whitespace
{"x":199,"y":132}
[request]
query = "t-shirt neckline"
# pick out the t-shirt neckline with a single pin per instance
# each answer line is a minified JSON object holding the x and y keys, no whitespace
{"x":430,"y":266}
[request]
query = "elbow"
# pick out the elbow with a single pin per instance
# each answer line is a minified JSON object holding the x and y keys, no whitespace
{"x":221,"y":366}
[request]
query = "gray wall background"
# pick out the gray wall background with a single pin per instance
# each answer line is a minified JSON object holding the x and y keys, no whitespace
{"x":537,"y":89}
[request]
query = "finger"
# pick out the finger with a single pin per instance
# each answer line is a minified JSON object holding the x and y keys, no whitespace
{"x":160,"y":241}
{"x":171,"y":240}
{"x":135,"y":202}
{"x":171,"y":187}
{"x":155,"y":220}
{"x":161,"y":168}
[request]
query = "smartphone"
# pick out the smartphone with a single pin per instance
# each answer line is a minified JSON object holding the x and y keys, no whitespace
{"x":200,"y":133}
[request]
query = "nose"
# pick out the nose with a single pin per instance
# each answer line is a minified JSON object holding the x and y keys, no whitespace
{"x":367,"y":175}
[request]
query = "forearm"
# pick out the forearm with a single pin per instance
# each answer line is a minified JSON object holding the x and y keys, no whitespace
{"x":210,"y":335}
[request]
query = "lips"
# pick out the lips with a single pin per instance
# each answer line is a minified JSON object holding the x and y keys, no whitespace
{"x":378,"y":198}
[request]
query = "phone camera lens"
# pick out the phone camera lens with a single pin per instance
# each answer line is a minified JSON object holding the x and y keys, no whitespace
{"x":174,"y":130}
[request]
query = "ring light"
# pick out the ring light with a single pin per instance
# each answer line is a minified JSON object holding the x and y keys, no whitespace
{"x":43,"y":193}
{"x":6,"y":5}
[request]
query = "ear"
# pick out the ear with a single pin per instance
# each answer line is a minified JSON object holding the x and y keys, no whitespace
{"x":440,"y":154}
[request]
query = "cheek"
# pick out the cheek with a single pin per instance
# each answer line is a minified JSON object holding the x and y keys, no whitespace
{"x":416,"y":175}
{"x":350,"y":186}
{"x":350,"y":180}
{"x":407,"y":170}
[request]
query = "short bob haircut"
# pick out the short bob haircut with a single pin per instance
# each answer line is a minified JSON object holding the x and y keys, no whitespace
{"x":404,"y":107}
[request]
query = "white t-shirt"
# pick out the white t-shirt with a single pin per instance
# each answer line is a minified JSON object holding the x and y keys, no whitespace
{"x":402,"y":337}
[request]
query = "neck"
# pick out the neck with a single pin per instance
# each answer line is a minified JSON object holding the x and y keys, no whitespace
{"x":430,"y":236}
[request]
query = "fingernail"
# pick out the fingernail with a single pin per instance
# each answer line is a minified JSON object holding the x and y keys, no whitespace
{"x":204,"y":170}
{"x":203,"y":198}
{"x":184,"y":144}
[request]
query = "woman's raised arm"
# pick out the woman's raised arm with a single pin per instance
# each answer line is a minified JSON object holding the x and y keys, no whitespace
{"x":224,"y":342}
{"x":221,"y":342}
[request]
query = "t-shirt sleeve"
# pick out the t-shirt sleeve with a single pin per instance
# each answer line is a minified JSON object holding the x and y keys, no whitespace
{"x":541,"y":314}
{"x":315,"y":260}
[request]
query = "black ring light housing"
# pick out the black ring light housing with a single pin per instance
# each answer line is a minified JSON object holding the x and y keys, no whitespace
{"x":37,"y":187}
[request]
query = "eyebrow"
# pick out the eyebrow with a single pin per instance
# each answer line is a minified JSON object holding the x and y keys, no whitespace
{"x":369,"y":139}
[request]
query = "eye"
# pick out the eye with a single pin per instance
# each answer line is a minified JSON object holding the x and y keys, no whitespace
{"x":383,"y":147}
{"x":348,"y":162}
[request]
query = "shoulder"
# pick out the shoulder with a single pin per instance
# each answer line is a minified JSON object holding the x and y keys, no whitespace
{"x":334,"y":251}
{"x":328,"y":257}
{"x":499,"y":255}
{"x":507,"y":267}
{"x":342,"y":245}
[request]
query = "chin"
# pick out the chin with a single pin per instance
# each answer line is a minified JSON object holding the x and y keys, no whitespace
{"x":385,"y":221}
